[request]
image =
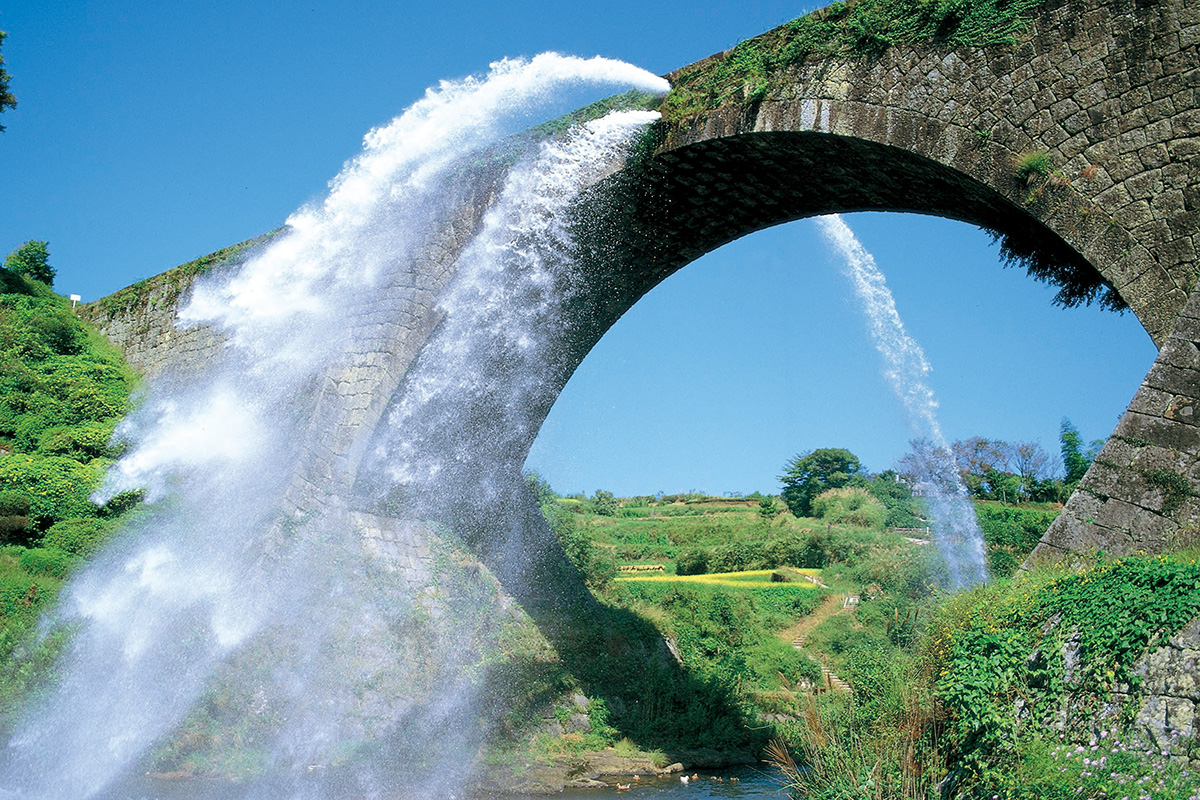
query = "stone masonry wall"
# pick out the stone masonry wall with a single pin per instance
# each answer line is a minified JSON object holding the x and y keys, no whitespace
{"x":146,"y":330}
{"x":1109,"y":89}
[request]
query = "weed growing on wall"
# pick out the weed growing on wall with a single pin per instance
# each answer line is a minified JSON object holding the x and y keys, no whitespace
{"x":751,"y":71}
{"x":997,"y":654}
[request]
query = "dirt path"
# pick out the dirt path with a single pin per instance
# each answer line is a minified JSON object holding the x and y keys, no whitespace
{"x":796,"y":634}
{"x":831,"y":605}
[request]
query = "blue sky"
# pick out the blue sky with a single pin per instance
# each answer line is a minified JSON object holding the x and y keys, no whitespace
{"x":151,"y":133}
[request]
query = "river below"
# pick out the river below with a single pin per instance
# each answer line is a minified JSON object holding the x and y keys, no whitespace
{"x":742,"y":782}
{"x":745,"y":782}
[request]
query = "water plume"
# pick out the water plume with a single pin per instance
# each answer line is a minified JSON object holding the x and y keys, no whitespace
{"x":906,"y":370}
{"x":244,"y":598}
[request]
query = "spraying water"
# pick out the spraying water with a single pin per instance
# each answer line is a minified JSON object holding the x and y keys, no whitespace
{"x":906,"y":370}
{"x":245,"y":589}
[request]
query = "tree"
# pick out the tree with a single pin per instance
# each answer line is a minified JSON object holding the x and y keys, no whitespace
{"x":6,"y":98}
{"x":1031,"y":462}
{"x":32,"y":260}
{"x":812,"y":473}
{"x":1076,"y":458}
{"x":767,"y":509}
{"x":976,"y":456}
{"x":604,"y":504}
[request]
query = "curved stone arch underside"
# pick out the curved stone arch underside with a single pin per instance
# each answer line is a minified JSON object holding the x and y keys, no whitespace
{"x":1109,"y":89}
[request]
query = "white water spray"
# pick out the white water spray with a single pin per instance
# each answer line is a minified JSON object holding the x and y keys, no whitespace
{"x":906,"y":370}
{"x":224,"y":581}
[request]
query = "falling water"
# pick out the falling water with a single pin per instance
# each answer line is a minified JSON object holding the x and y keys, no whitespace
{"x":245,"y":583}
{"x":906,"y":369}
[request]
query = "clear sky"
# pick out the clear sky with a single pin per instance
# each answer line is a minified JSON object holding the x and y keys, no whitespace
{"x":151,"y":133}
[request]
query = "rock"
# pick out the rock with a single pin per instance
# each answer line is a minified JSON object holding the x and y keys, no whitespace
{"x":579,"y":723}
{"x":587,"y":783}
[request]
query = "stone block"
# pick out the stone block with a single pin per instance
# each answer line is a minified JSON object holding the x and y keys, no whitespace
{"x":1162,"y":432}
{"x":1151,"y":458}
{"x":1176,"y":380}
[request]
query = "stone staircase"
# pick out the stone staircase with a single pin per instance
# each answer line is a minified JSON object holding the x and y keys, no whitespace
{"x":830,"y":681}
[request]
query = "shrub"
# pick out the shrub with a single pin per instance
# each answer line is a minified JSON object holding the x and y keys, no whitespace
{"x":850,"y":506}
{"x":787,"y":552}
{"x":14,"y":503}
{"x":737,"y":557}
{"x":81,"y":537}
{"x":691,"y":562}
{"x":82,"y":442}
{"x":45,"y":561}
{"x":1011,"y":526}
{"x":604,"y":504}
{"x":594,"y":564}
{"x":1002,"y":562}
{"x":59,"y":486}
{"x":14,"y":529}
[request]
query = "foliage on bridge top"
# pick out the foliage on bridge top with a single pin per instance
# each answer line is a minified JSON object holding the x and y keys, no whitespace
{"x":174,"y":280}
{"x":751,"y":71}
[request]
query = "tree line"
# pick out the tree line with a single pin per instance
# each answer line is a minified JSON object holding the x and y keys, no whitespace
{"x":990,"y":469}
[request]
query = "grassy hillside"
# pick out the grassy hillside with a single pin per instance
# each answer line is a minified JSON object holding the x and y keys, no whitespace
{"x":732,"y":583}
{"x":62,"y":392}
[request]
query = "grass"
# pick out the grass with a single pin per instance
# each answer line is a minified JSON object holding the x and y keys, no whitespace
{"x":760,"y":578}
{"x":173,"y":282}
{"x":754,"y":70}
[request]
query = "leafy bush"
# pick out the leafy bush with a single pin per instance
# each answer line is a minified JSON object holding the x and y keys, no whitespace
{"x":604,"y":504}
{"x":62,"y":391}
{"x":691,"y":562}
{"x":46,"y":561}
{"x":81,"y":537}
{"x":13,"y":503}
{"x":58,"y":487}
{"x":850,"y":506}
{"x":738,"y":557}
{"x":1013,"y":526}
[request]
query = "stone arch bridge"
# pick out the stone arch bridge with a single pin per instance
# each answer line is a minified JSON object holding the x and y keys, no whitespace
{"x":1105,"y":91}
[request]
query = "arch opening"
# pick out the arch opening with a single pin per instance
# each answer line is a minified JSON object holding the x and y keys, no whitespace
{"x":755,"y":352}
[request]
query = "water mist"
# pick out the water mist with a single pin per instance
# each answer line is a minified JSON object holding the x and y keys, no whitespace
{"x":251,"y":586}
{"x":906,"y":369}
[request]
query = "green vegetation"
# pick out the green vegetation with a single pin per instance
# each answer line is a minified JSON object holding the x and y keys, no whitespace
{"x":812,"y":473}
{"x":756,"y":68}
{"x":1007,"y":691}
{"x":31,"y":260}
{"x":174,"y":281}
{"x":1034,"y":165}
{"x":62,"y":392}
{"x":731,"y":587}
{"x":850,"y":506}
{"x":1076,"y":458}
{"x":6,"y":97}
